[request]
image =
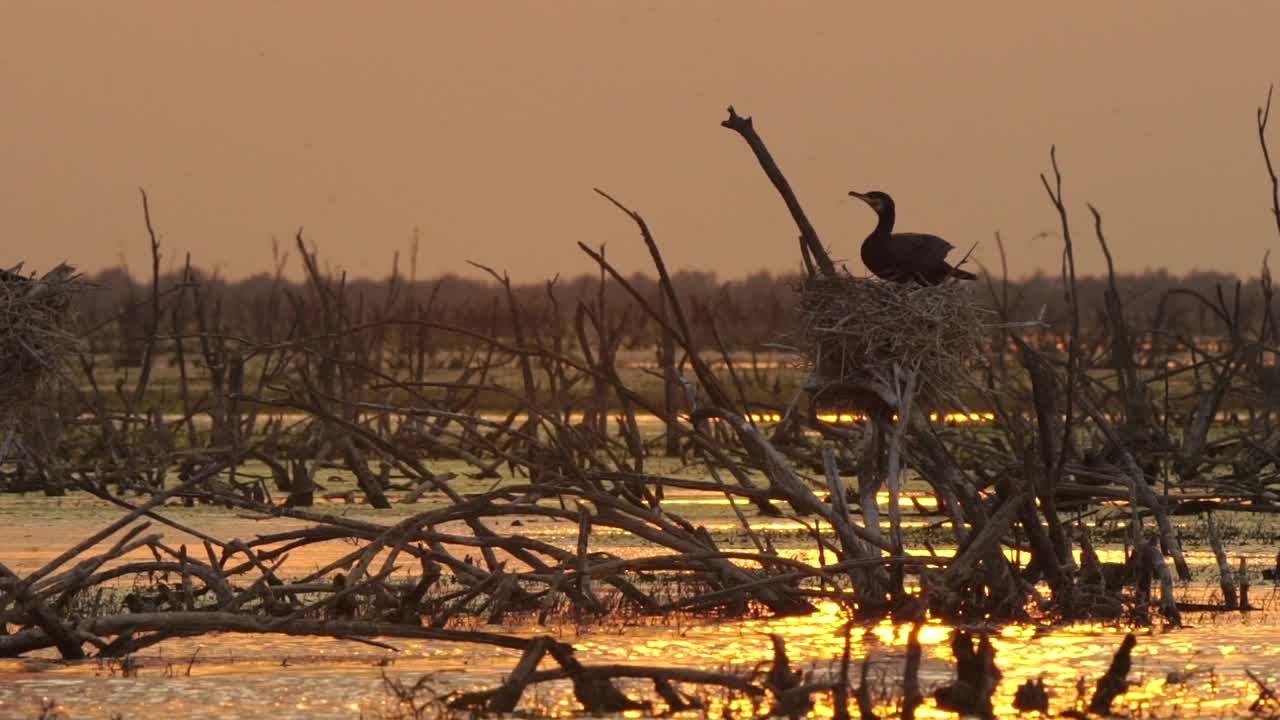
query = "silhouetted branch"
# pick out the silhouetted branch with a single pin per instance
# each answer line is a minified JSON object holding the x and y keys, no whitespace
{"x":808,"y":236}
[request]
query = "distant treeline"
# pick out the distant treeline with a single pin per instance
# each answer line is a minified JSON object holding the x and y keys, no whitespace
{"x":747,"y":313}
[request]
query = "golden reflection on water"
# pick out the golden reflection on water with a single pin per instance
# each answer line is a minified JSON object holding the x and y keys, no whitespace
{"x":315,"y":678}
{"x":847,"y":418}
{"x":286,"y":678}
{"x":907,"y":500}
{"x":1023,"y":652}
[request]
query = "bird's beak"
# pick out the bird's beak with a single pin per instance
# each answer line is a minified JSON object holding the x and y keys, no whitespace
{"x":860,"y":196}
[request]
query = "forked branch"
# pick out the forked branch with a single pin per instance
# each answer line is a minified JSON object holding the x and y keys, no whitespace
{"x":808,"y":236}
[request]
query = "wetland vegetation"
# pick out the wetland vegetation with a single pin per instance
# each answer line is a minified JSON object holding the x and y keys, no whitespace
{"x":835,"y":496}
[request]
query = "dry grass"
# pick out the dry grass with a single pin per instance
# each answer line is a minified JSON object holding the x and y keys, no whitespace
{"x":34,"y":340}
{"x":862,"y":331}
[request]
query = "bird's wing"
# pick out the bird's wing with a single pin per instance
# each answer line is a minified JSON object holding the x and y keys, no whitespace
{"x":920,"y":246}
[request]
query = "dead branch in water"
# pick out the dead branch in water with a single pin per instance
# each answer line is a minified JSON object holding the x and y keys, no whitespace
{"x":323,"y":394}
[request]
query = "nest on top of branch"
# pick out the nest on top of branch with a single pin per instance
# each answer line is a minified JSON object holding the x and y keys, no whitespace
{"x":863,"y":336}
{"x":34,"y":341}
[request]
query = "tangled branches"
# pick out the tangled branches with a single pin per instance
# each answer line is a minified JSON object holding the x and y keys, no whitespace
{"x":32,"y":336}
{"x":33,"y":340}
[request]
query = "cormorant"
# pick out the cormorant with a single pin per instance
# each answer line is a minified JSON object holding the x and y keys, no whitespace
{"x":904,"y":257}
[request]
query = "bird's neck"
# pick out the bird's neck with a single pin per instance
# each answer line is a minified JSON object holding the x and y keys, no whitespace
{"x":886,"y":218}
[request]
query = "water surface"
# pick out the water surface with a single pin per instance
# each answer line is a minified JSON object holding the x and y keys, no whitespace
{"x":287,"y":678}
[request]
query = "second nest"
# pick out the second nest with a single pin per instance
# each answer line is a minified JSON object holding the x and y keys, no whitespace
{"x":34,"y":340}
{"x":856,"y":330}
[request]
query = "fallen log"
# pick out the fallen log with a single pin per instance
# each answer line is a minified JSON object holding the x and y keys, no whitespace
{"x":197,"y":623}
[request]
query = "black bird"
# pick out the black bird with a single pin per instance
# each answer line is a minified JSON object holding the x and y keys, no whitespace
{"x":905,"y":257}
{"x":343,"y":606}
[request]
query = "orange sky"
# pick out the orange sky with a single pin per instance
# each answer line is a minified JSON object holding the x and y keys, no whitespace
{"x":486,"y":125}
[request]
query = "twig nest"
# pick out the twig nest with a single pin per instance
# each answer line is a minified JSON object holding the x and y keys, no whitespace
{"x":861,"y":336}
{"x":33,"y":338}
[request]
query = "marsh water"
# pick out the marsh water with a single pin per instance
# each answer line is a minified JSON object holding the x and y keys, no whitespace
{"x":1195,"y":671}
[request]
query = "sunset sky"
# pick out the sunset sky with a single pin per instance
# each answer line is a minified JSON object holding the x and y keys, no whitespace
{"x":486,"y":126}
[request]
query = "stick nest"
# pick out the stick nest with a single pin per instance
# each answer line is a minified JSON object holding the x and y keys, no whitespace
{"x":34,"y":340}
{"x":856,"y":330}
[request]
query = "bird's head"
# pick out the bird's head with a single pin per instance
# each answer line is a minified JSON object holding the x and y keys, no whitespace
{"x":879,"y":201}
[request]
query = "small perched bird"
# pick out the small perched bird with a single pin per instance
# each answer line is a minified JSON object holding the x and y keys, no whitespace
{"x":345,"y":605}
{"x":904,"y":257}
